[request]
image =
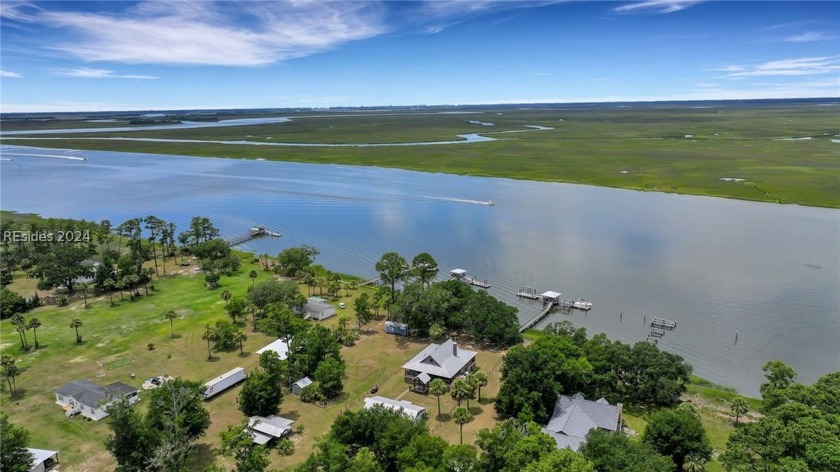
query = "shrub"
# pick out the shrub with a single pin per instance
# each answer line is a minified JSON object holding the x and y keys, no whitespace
{"x":312,"y":393}
{"x":61,"y":300}
{"x":285,"y":447}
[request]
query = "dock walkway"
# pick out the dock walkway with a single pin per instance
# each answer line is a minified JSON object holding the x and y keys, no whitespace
{"x":255,"y":232}
{"x":536,"y":318}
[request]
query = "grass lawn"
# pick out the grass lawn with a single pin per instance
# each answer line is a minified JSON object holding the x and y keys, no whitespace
{"x":115,"y":344}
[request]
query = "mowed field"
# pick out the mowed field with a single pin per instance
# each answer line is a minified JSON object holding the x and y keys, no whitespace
{"x":784,"y":152}
{"x":116,"y":344}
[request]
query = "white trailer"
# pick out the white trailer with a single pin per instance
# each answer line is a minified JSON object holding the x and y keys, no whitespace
{"x":223,"y":382}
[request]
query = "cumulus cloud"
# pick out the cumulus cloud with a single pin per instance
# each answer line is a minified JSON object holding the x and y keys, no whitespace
{"x":656,"y":6}
{"x":9,"y":74}
{"x":89,"y":73}
{"x":215,"y":33}
{"x":788,"y":67}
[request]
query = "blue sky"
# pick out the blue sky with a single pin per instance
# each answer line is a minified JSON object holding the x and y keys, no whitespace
{"x":119,"y":55}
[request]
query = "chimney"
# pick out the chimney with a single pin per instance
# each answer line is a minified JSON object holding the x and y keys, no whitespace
{"x":455,"y":349}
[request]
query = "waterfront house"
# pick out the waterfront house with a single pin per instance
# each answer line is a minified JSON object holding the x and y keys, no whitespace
{"x":444,"y":361}
{"x":575,"y":416}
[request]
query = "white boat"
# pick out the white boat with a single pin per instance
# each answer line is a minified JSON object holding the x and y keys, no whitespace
{"x":582,"y":304}
{"x":489,"y":203}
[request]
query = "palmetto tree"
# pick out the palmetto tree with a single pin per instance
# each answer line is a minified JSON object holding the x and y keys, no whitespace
{"x":10,"y":371}
{"x":739,"y":407}
{"x":226,"y":295}
{"x":34,"y":324}
{"x":253,"y":275}
{"x":19,"y":323}
{"x":240,"y":337}
{"x":472,"y":387}
{"x":694,"y":464}
{"x":437,"y":388}
{"x":461,"y":416}
{"x":209,"y":335}
{"x":109,"y":285}
{"x":170,"y":315}
{"x":76,"y":324}
{"x":83,"y":287}
{"x":480,"y":378}
{"x":460,"y":391}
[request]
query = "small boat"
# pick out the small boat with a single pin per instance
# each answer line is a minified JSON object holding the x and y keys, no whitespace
{"x":582,"y":304}
{"x":489,"y":203}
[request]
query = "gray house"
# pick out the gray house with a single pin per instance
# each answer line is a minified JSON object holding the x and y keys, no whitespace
{"x":91,"y":400}
{"x":575,"y":416}
{"x":317,"y":308}
{"x":267,"y":428}
{"x":438,"y":361}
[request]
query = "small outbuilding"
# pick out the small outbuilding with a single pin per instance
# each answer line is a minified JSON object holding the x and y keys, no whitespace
{"x":409,"y":410}
{"x":298,"y":386}
{"x":400,"y":329}
{"x":43,"y":460}
{"x":267,"y":428}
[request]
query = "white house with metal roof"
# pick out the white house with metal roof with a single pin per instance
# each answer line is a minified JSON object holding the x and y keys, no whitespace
{"x":91,"y":400}
{"x":279,"y":346}
{"x":265,"y":428}
{"x":444,"y":361}
{"x":411,"y":411}
{"x":575,"y":416}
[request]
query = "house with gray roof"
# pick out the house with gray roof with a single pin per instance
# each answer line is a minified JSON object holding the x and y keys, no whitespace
{"x":575,"y":416}
{"x":411,"y":411}
{"x":267,"y":428}
{"x":43,"y":460}
{"x":91,"y":400}
{"x":444,"y":361}
{"x":317,"y":308}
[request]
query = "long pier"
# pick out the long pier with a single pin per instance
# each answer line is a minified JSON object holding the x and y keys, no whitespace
{"x":536,"y":318}
{"x":255,"y":232}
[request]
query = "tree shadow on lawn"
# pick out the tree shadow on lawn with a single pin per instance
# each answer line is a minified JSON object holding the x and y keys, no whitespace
{"x":292,"y":415}
{"x":443,"y":417}
{"x":205,"y":455}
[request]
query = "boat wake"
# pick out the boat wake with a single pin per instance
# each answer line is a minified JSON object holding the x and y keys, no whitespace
{"x":462,"y":200}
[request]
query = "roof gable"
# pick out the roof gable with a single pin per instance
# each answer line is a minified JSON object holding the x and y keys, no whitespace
{"x":439,"y":360}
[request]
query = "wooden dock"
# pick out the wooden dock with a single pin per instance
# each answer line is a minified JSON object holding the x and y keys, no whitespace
{"x":254,"y":232}
{"x":461,"y":274}
{"x":528,"y":292}
{"x":663,"y":324}
{"x":536,"y":318}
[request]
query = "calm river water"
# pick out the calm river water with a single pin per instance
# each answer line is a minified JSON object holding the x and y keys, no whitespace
{"x":768,"y":272}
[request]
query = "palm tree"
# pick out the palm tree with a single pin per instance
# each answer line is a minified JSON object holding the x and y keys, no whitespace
{"x":170,"y":315}
{"x":34,"y":324}
{"x":694,"y":464}
{"x":252,"y":310}
{"x":480,"y":378}
{"x":461,"y":416}
{"x":460,"y":391}
{"x":739,"y":407}
{"x":472,"y":387}
{"x":76,"y":324}
{"x":437,"y":388}
{"x":83,"y":287}
{"x":18,"y":322}
{"x":10,"y":371}
{"x":109,"y":284}
{"x":209,"y":335}
{"x":226,"y":295}
{"x":240,"y":337}
{"x":253,"y":275}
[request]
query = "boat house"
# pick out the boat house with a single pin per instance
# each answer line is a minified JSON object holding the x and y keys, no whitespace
{"x":444,"y":361}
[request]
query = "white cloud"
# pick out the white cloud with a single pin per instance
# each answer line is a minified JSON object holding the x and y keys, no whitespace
{"x":215,"y":33}
{"x":656,"y":6}
{"x":443,"y":14}
{"x":789,"y":67}
{"x":9,"y":74}
{"x":89,"y":73}
{"x":808,"y":37}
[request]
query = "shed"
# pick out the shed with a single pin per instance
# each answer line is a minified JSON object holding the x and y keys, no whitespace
{"x":43,"y":460}
{"x":400,"y":329}
{"x":300,"y":385}
{"x":265,"y":428}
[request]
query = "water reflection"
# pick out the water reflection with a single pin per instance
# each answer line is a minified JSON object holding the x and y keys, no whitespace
{"x":715,"y":265}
